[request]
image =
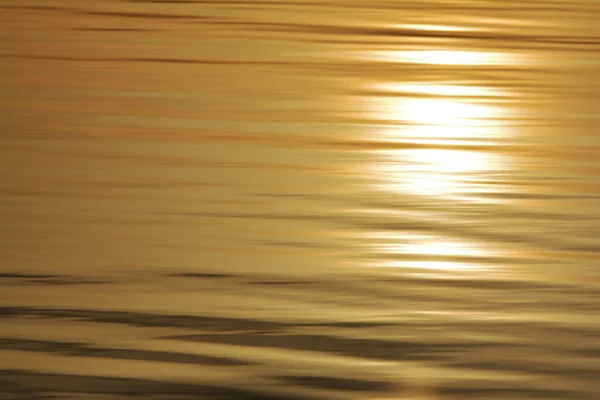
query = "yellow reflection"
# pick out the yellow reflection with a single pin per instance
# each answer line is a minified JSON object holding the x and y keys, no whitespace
{"x":446,"y":113}
{"x":426,"y":114}
{"x":434,"y":111}
{"x":442,"y":266}
{"x":443,"y":134}
{"x":444,"y":249}
{"x":436,"y":28}
{"x":439,"y":89}
{"x":448,"y":161}
{"x":437,"y":172}
{"x":407,"y":244}
{"x":411,"y":246}
{"x":444,"y":57}
{"x":429,"y":185}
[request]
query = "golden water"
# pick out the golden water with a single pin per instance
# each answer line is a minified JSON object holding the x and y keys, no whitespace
{"x":305,"y":199}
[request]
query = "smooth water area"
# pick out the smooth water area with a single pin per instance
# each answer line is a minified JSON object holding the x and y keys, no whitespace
{"x":327,"y":200}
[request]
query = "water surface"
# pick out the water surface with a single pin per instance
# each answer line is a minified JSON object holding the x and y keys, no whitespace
{"x":299,"y":199}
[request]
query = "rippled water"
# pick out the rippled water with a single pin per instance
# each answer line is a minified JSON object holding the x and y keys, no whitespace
{"x":300,"y":199}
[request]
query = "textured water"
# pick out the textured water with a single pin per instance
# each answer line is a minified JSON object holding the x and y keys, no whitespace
{"x":300,"y":199}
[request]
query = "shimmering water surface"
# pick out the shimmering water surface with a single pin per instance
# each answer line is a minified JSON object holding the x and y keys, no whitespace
{"x":333,"y":199}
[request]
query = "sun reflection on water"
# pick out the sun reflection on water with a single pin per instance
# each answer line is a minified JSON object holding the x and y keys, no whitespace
{"x":436,"y":171}
{"x":438,"y":28}
{"x":448,"y":89}
{"x":425,"y":245}
{"x":444,"y":57}
{"x":421,"y":113}
{"x":439,"y":115}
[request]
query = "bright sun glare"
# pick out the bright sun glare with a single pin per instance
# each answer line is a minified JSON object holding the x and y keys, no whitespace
{"x":420,"y":113}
